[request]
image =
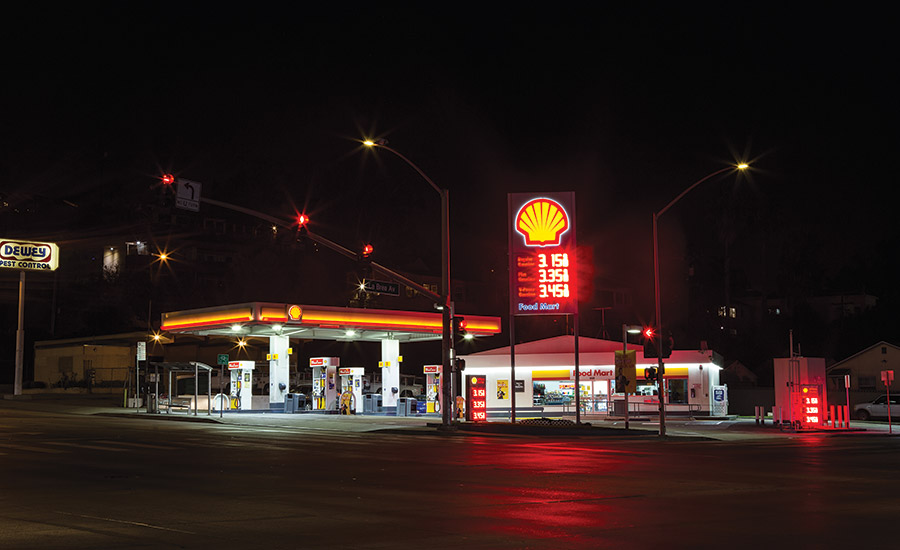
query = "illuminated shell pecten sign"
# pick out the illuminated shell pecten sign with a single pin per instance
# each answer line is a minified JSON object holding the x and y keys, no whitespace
{"x":542,"y":221}
{"x":542,"y":254}
{"x":26,"y":255}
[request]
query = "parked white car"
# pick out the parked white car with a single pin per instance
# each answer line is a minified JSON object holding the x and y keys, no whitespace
{"x":878,"y":408}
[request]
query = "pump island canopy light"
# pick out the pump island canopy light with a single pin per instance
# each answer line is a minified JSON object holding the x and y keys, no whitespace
{"x":264,"y":319}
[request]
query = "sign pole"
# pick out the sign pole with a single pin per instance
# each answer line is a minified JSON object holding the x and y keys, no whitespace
{"x":25,"y":256}
{"x":624,"y":361}
{"x":577,"y":376}
{"x":847,"y":387}
{"x":221,"y":397}
{"x":20,"y":335}
{"x":512,"y":367}
{"x":887,"y":376}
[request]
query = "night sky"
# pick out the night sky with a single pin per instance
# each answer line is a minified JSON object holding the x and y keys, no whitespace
{"x":625,"y":106}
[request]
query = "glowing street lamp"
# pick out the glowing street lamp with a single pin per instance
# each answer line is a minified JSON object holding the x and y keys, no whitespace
{"x":446,"y":340}
{"x":662,"y":398}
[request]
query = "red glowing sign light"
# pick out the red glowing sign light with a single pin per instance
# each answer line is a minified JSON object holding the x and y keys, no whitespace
{"x":809,"y":406}
{"x":476,"y":399}
{"x":542,"y":254}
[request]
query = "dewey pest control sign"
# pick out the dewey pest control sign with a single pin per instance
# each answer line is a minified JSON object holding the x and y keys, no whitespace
{"x":28,"y":255}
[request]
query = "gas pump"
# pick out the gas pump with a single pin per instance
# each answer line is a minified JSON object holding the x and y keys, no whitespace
{"x":324,"y":390}
{"x":241,"y":385}
{"x":433,"y":388}
{"x":351,"y":389}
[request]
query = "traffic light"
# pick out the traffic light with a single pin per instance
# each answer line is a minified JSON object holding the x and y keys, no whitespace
{"x":650,"y":374}
{"x":364,"y":261}
{"x":459,"y":326}
{"x":302,"y":220}
{"x":649,"y":341}
{"x":460,"y":365}
{"x":167,"y":196}
{"x":667,"y":344}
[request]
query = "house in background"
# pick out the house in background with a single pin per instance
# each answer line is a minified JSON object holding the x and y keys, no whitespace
{"x":736,"y":374}
{"x":864,"y":369}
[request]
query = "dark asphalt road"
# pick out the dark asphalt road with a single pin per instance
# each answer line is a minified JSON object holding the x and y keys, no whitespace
{"x":88,"y":481}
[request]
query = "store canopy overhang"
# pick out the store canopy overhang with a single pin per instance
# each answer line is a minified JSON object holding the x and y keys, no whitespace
{"x":265,"y":319}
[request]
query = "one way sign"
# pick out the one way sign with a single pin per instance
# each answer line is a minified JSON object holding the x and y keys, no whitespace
{"x":187,"y":195}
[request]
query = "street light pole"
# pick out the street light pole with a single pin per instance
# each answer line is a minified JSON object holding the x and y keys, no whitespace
{"x":447,"y":352}
{"x":659,"y":347}
{"x":626,"y":330}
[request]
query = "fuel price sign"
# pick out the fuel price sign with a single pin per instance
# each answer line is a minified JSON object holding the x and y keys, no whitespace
{"x":476,"y":406}
{"x":542,"y":254}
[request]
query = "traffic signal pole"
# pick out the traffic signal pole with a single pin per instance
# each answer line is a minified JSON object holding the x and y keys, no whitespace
{"x":446,"y":336}
{"x":659,"y":352}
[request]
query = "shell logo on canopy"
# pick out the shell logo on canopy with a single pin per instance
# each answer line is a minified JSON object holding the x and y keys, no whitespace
{"x":294,"y":313}
{"x":542,"y":222}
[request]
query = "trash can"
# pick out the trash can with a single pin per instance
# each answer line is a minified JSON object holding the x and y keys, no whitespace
{"x":406,"y":406}
{"x":290,"y":402}
{"x":301,"y":402}
{"x":369,"y":403}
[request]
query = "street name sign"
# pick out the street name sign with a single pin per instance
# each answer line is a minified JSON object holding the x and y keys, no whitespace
{"x":382,"y":287}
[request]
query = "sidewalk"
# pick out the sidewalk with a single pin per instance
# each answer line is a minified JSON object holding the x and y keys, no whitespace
{"x":732,"y":428}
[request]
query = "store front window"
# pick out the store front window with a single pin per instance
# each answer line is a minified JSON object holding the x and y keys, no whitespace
{"x":561,"y":393}
{"x":677,"y":390}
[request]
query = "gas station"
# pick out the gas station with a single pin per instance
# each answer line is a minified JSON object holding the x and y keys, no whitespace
{"x":334,"y":386}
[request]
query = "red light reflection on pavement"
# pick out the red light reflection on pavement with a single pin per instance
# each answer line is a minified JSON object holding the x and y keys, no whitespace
{"x":565,"y":499}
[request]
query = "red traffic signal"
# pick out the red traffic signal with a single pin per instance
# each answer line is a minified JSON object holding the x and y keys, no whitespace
{"x":302,"y":220}
{"x":367,"y":250}
{"x":167,"y":179}
{"x":648,"y":333}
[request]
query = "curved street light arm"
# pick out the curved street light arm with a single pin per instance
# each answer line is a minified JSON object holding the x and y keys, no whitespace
{"x":688,"y":190}
{"x":383,"y":144}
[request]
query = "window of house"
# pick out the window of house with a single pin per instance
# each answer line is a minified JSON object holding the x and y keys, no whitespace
{"x":214,"y":225}
{"x":64,"y":363}
{"x":866,"y":383}
{"x":136,"y":248}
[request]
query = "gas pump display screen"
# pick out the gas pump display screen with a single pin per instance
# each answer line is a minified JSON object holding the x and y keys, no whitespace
{"x":476,"y":399}
{"x":542,"y":254}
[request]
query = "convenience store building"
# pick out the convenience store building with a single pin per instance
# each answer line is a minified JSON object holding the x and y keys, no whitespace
{"x":545,"y":379}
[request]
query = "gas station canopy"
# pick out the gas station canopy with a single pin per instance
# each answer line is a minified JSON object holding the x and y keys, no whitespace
{"x":264,"y":319}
